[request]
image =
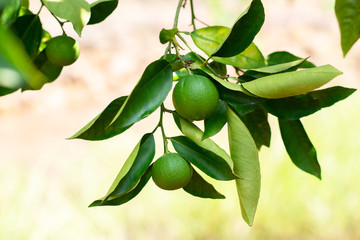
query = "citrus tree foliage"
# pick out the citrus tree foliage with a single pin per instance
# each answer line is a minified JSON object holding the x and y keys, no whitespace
{"x":280,"y":84}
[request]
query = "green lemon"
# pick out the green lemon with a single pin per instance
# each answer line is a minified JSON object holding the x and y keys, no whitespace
{"x":62,"y":50}
{"x":195,"y":97}
{"x":171,"y":172}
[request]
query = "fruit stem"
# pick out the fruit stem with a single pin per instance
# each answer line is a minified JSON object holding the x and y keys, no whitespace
{"x":165,"y":142}
{"x":176,"y":20}
{"x":41,"y":7}
{"x":192,"y":14}
{"x":197,"y":55}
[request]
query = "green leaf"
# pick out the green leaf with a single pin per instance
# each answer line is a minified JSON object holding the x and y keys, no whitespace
{"x":284,"y":57}
{"x":167,"y":35}
{"x":207,"y":161}
{"x":29,"y":29}
{"x":237,"y":97}
{"x":101,"y":9}
{"x":246,"y":165}
{"x":348,"y":16}
{"x":5,"y":91}
{"x":25,"y":3}
{"x":200,"y":69}
{"x":9,"y":10}
{"x":98,"y":128}
{"x":242,"y":110}
{"x":216,"y":121}
{"x":258,"y":125}
{"x":296,"y":107}
{"x":209,"y":38}
{"x":129,"y":195}
{"x":299,"y":146}
{"x":122,"y":113}
{"x":273,"y":69}
{"x":199,"y":187}
{"x":196,"y":135}
{"x":76,"y":11}
{"x":243,"y":32}
{"x":133,"y":169}
{"x":10,"y":78}
{"x":291,"y":83}
{"x":329,"y":96}
{"x":148,"y":94}
{"x":13,"y":55}
{"x":219,"y":68}
{"x":292,"y":108}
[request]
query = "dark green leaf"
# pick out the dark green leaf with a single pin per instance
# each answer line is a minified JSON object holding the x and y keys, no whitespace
{"x":219,"y":68}
{"x":122,"y":113}
{"x":216,"y":121}
{"x":296,"y":107}
{"x":101,"y":9}
{"x":348,"y":16}
{"x":29,"y":29}
{"x":151,"y":90}
{"x":236,"y":97}
{"x":284,"y":57}
{"x":128,"y":196}
{"x":258,"y":125}
{"x":145,"y":155}
{"x":329,"y":96}
{"x":243,"y":109}
{"x":299,"y":146}
{"x":243,"y":32}
{"x":98,"y":128}
{"x":50,"y":70}
{"x":5,"y":91}
{"x":133,"y":169}
{"x":9,"y":10}
{"x":207,"y":161}
{"x":199,"y":187}
{"x":292,"y":108}
{"x":246,"y":165}
{"x":167,"y":35}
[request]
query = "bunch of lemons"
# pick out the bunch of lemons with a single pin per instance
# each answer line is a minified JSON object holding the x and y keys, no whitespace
{"x":195,"y":98}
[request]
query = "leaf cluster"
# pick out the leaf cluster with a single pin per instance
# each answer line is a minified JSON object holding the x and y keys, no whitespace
{"x":23,"y":61}
{"x":280,"y":84}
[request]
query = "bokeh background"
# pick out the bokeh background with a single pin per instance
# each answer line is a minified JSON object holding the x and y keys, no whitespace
{"x":47,"y":182}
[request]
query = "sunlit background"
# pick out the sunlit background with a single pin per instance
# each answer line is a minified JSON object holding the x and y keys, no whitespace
{"x":47,"y":182}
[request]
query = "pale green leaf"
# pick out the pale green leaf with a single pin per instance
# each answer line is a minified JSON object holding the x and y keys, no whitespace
{"x":76,"y":11}
{"x":22,"y":72}
{"x":291,"y":83}
{"x":196,"y":135}
{"x":244,"y":154}
{"x":209,"y":38}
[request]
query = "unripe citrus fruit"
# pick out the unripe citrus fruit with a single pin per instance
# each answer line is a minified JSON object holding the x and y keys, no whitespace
{"x":171,"y":172}
{"x":62,"y":50}
{"x":195,"y":97}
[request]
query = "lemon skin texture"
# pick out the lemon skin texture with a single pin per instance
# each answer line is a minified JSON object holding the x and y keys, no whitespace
{"x":171,"y":172}
{"x":195,"y":97}
{"x":62,"y":50}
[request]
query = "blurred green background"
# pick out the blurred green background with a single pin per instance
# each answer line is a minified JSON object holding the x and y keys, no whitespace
{"x":47,"y":182}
